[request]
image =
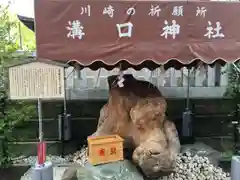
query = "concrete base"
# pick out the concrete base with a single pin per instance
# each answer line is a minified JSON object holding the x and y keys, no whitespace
{"x":57,"y":173}
{"x":235,"y":166}
{"x":43,"y":172}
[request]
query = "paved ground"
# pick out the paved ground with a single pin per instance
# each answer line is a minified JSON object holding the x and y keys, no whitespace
{"x":57,"y":172}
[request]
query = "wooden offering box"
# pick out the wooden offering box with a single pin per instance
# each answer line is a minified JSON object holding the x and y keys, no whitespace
{"x":105,"y":149}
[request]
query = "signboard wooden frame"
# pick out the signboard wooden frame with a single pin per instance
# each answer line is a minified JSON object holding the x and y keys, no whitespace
{"x":37,"y":79}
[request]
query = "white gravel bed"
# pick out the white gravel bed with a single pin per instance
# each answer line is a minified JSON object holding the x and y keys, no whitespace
{"x":188,"y":167}
{"x":80,"y":157}
{"x":31,"y":160}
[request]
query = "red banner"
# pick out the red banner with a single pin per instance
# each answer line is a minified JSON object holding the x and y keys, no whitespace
{"x":41,"y":152}
{"x":101,"y":33}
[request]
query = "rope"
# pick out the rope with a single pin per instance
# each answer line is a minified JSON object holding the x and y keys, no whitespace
{"x":99,"y":71}
{"x":120,"y":74}
{"x":236,"y":67}
{"x":150,"y":79}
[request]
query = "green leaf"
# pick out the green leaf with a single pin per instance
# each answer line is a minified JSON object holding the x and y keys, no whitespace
{"x":11,"y":113}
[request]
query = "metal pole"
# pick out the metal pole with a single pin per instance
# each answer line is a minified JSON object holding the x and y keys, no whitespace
{"x":186,"y":118}
{"x":40,"y":120}
{"x":64,"y":115}
{"x":188,"y":91}
{"x":65,"y":96}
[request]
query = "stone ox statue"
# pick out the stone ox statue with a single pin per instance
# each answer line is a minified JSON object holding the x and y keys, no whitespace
{"x":136,"y":112}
